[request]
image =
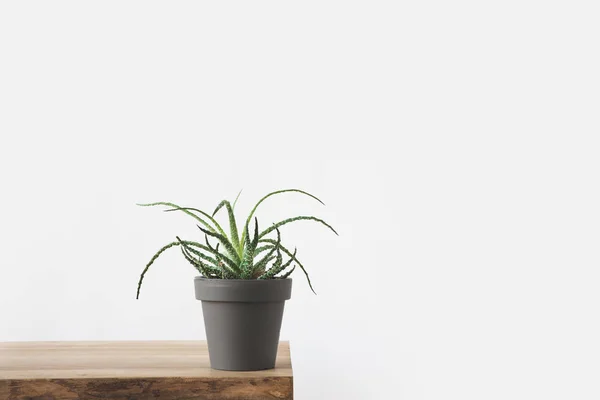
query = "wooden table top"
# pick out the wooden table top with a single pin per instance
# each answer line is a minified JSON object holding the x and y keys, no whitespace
{"x":157,"y":370}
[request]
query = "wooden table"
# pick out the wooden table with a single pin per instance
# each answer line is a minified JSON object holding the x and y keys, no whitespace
{"x":132,"y":371}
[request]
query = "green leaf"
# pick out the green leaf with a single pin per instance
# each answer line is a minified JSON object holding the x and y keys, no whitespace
{"x":231,"y":264}
{"x":272,"y":194}
{"x":207,"y":242}
{"x":185,"y":210}
{"x":154,"y":257}
{"x":288,"y":263}
{"x":226,"y":272}
{"x":278,"y":267}
{"x":203,"y":268}
{"x":287,"y":274}
{"x":261,"y":265}
{"x":236,"y":198}
{"x":199,"y":254}
{"x":235,"y":239}
{"x":247,"y":260}
{"x":261,"y":249}
{"x":290,"y":254}
{"x":206,"y":248}
{"x":220,"y":264}
{"x":198,"y":265}
{"x":277,"y":264}
{"x":193,"y":262}
{"x":221,"y":231}
{"x":227,"y":244}
{"x":287,"y":221}
{"x":259,"y":269}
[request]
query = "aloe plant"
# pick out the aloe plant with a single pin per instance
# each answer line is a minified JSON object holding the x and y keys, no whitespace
{"x":253,"y":255}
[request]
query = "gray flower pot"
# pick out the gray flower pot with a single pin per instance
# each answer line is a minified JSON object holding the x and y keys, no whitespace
{"x":242,"y":320}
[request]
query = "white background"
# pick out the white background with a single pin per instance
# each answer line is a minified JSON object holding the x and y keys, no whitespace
{"x":454,"y":143}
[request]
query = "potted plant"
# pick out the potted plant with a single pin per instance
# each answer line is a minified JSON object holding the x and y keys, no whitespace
{"x":243,"y":283}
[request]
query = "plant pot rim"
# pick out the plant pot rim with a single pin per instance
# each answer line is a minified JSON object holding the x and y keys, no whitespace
{"x":239,"y":280}
{"x":243,"y":290}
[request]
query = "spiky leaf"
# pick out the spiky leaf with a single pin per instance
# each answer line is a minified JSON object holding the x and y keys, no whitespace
{"x":262,"y":264}
{"x":287,"y":221}
{"x":230,"y":263}
{"x":278,"y":267}
{"x":203,"y":268}
{"x":260,"y":269}
{"x":185,"y":210}
{"x":235,"y":239}
{"x":191,"y":260}
{"x":287,"y":274}
{"x":154,"y":257}
{"x":236,"y":199}
{"x":226,"y":273}
{"x":278,"y":260}
{"x":286,"y":251}
{"x":246,"y":264}
{"x":261,"y":249}
{"x":197,"y":253}
{"x":194,"y":263}
{"x":272,"y":194}
{"x":211,"y":250}
{"x":207,"y":242}
{"x":226,"y":243}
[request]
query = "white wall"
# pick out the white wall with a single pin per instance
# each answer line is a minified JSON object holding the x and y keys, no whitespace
{"x":454,"y":143}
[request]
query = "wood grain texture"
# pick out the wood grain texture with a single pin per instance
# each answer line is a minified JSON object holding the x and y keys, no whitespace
{"x":132,"y":371}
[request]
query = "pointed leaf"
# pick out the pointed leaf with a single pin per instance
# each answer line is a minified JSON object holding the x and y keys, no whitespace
{"x":230,"y":263}
{"x":188,"y":245}
{"x":203,"y":268}
{"x":236,"y":198}
{"x":259,"y":269}
{"x":226,"y":243}
{"x":286,"y":251}
{"x":278,"y":267}
{"x":287,"y":221}
{"x":261,"y":249}
{"x":261,"y":265}
{"x":188,"y":209}
{"x":247,"y":261}
{"x":154,"y":257}
{"x":235,"y":238}
{"x":272,"y":194}
{"x":226,"y":272}
{"x":176,"y":207}
{"x":287,"y":274}
{"x":208,"y":249}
